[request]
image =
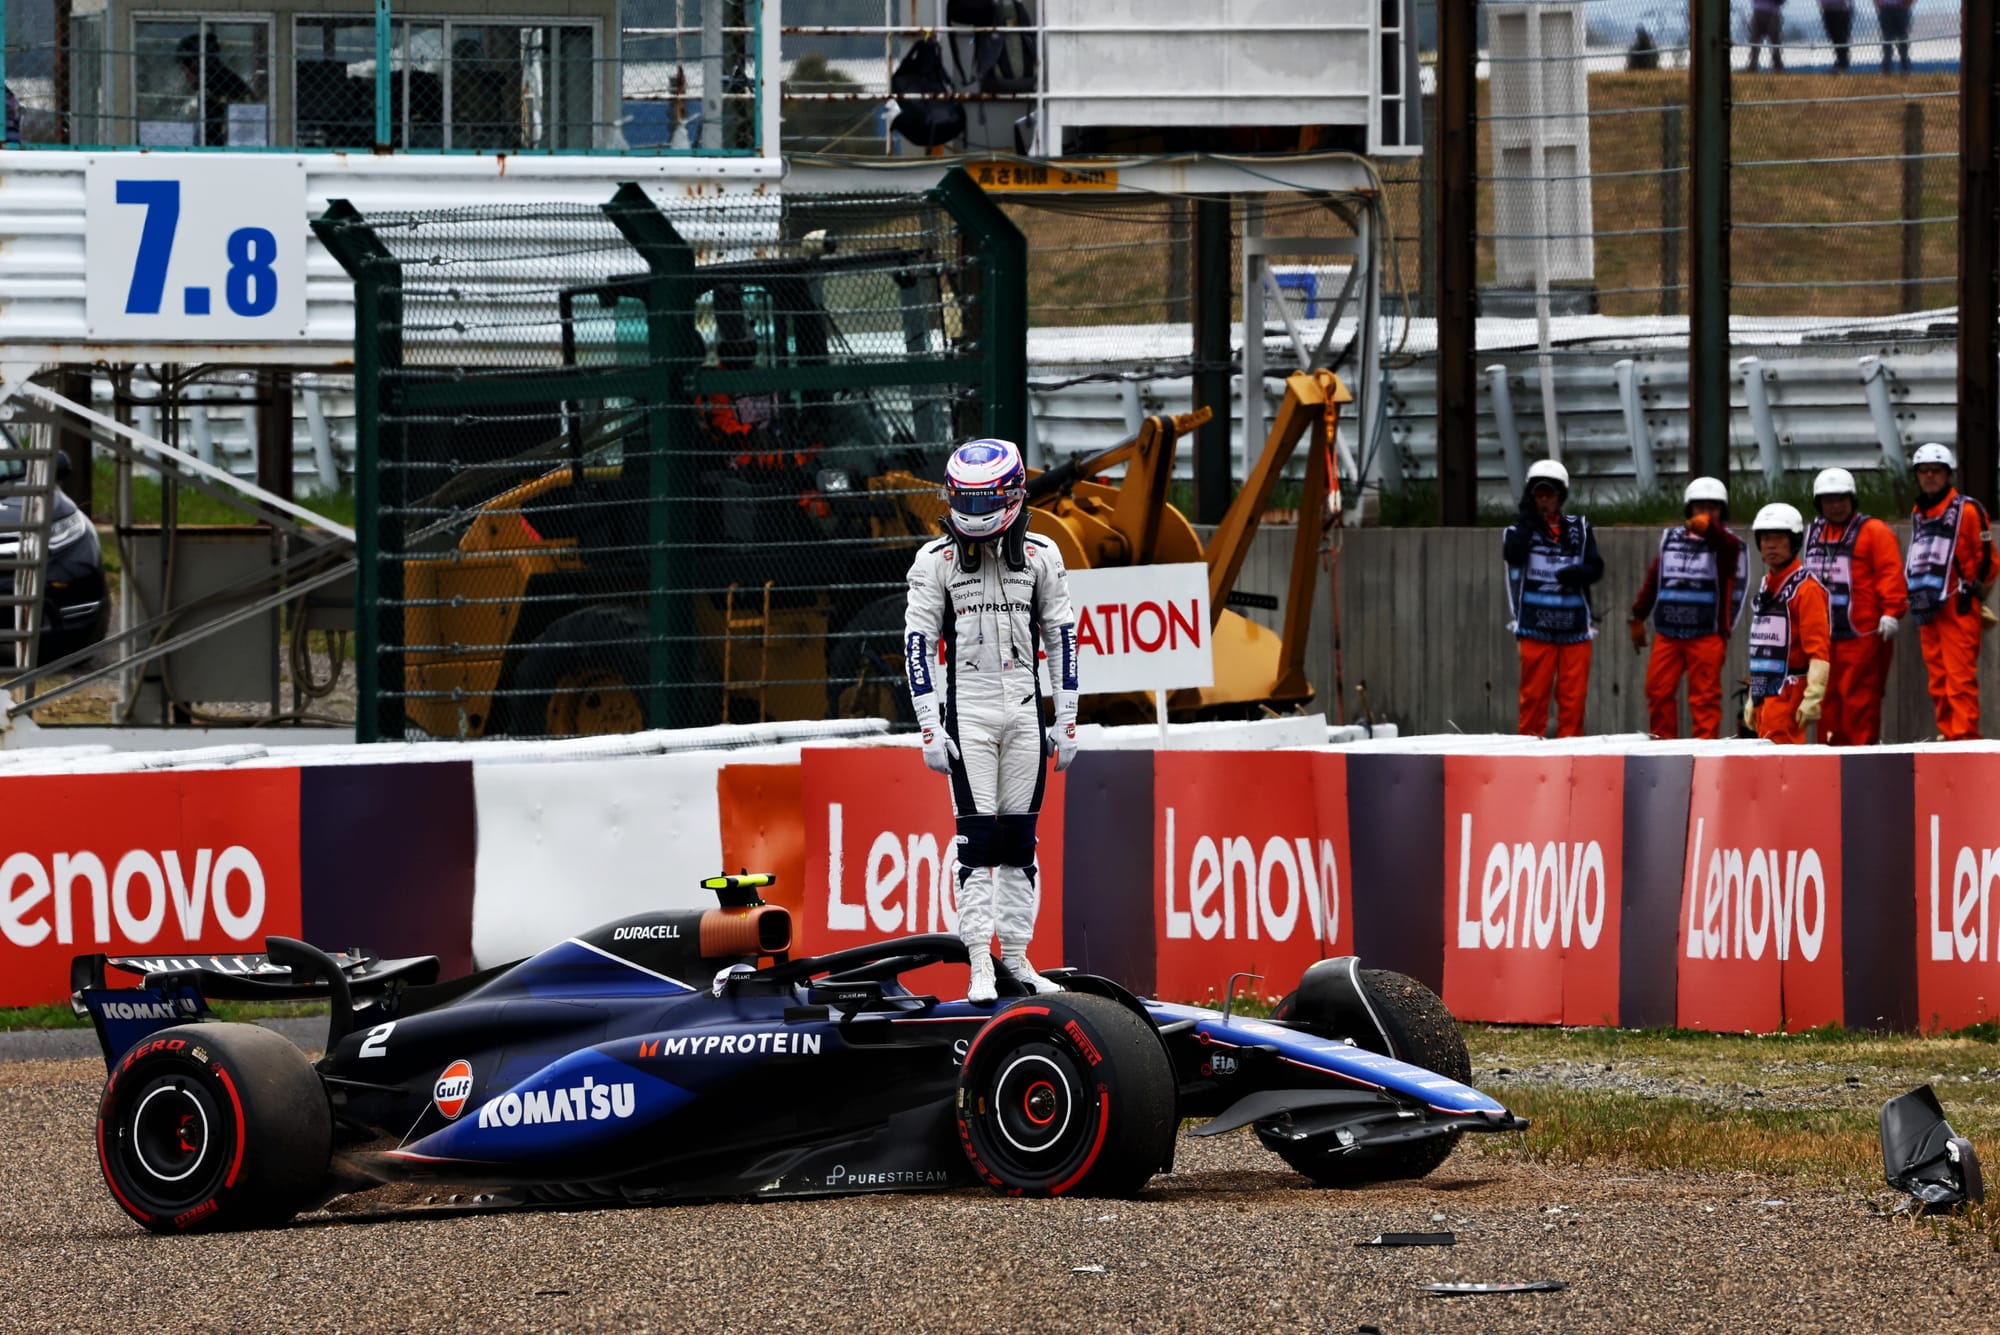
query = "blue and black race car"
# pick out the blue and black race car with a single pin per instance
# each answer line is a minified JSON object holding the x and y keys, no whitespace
{"x":681,"y":1055}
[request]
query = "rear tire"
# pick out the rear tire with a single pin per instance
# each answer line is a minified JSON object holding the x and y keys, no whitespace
{"x":214,"y":1126}
{"x":1067,"y":1096}
{"x":1423,"y":1033}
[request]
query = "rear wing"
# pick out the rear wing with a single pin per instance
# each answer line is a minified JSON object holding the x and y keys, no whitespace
{"x":176,"y":989}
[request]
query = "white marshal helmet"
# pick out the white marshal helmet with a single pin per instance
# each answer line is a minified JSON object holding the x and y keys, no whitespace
{"x":1778,"y":517}
{"x":1934,"y":453}
{"x":1705,"y":489}
{"x":985,"y":486}
{"x":1833,"y":482}
{"x":1548,"y":470}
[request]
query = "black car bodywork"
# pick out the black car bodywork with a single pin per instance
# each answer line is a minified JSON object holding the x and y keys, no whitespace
{"x":656,"y":1058}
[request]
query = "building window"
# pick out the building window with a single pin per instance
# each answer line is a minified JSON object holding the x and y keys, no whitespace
{"x":506,"y":87}
{"x":203,"y":83}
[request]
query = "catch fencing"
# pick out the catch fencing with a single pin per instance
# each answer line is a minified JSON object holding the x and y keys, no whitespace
{"x":667,"y":468}
{"x":1841,"y":226}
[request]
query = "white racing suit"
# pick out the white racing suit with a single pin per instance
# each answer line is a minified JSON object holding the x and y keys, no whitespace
{"x":978,"y":629}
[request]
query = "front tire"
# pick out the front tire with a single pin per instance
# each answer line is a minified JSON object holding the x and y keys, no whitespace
{"x":1423,"y":1033}
{"x":214,"y":1126}
{"x":1070,"y":1095}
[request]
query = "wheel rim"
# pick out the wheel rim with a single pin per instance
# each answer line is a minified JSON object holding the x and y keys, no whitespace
{"x":172,"y":1145}
{"x":593,"y":702}
{"x":1034,"y":1120}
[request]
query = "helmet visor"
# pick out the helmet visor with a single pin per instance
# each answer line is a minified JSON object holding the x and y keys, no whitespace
{"x":984,"y":501}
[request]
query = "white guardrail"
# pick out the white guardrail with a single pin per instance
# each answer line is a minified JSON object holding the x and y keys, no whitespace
{"x":1797,"y":406}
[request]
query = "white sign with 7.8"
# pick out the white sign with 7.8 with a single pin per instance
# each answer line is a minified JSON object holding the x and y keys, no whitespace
{"x":195,"y":248}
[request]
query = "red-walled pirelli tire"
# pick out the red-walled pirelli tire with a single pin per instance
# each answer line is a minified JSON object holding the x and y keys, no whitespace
{"x":1067,"y":1095}
{"x":214,"y":1126}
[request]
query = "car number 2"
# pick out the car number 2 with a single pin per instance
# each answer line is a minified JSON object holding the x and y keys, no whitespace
{"x":377,"y":1042}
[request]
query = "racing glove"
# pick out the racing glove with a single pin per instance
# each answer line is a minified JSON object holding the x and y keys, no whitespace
{"x":1817,"y":673}
{"x":1638,"y":630}
{"x":939,"y":749}
{"x":1060,"y":739}
{"x":1887,"y":627}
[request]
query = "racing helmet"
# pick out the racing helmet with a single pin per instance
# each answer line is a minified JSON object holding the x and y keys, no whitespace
{"x":1778,"y":517}
{"x":1933,"y":453}
{"x":1705,"y":489}
{"x":985,"y":487}
{"x":1548,"y":470}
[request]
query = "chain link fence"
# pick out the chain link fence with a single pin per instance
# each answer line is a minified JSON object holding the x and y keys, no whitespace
{"x":625,"y":468}
{"x":661,"y":76}
{"x":1842,"y":238}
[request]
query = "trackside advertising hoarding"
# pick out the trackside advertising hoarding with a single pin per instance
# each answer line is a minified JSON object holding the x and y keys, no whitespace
{"x":1957,"y":865}
{"x":1250,"y":868}
{"x":182,"y":863}
{"x":1534,"y":864}
{"x":1760,"y":931}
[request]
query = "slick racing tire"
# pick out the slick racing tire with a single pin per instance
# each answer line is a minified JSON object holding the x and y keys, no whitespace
{"x":1067,"y":1096}
{"x":1423,"y":1033}
{"x":214,"y":1126}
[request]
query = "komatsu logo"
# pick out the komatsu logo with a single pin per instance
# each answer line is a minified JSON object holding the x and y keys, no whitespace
{"x":137,"y":1010}
{"x":587,"y":1102}
{"x":666,"y":932}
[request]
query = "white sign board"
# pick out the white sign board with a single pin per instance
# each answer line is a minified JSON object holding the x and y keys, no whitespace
{"x":1142,"y":628}
{"x":194,"y":247}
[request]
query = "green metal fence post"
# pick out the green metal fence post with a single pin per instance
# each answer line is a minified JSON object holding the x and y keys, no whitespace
{"x":385,"y":79}
{"x":3,"y":57}
{"x":673,"y":354}
{"x":1002,"y":298}
{"x":378,"y":348}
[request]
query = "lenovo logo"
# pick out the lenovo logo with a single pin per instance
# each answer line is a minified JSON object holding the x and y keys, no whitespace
{"x":1531,"y":895}
{"x":1968,"y":934}
{"x":73,"y":890}
{"x":907,"y":882}
{"x":1237,"y":887}
{"x":1739,"y":905}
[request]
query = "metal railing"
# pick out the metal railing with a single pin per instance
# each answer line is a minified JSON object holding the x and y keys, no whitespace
{"x":665,"y":77}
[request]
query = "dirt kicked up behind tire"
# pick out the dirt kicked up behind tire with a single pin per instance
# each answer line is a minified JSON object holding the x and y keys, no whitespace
{"x":1067,"y":1096}
{"x":214,"y":1126}
{"x":1422,"y":1032}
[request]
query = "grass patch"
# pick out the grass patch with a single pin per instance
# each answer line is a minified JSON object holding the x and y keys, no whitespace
{"x":1583,"y":1128}
{"x":60,"y":1016}
{"x":149,"y":500}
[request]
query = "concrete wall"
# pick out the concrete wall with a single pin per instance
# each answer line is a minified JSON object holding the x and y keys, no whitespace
{"x":1421,"y":634}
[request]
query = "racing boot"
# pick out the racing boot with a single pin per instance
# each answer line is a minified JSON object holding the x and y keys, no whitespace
{"x":980,"y":991}
{"x":1014,"y":904}
{"x":1022,"y":972}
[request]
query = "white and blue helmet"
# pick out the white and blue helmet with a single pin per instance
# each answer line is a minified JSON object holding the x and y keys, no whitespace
{"x":985,"y":486}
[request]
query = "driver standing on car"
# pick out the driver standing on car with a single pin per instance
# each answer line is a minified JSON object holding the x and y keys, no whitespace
{"x":981,"y":597}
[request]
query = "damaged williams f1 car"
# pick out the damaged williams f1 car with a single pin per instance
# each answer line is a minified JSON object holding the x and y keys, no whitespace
{"x":678,"y":1055}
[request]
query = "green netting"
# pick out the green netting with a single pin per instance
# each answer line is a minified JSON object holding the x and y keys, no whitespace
{"x":626,"y":467}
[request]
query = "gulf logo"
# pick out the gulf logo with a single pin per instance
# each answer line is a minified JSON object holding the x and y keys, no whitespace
{"x":453,"y":1088}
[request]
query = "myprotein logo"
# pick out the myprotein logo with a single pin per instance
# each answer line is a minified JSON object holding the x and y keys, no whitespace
{"x":74,"y":892}
{"x":1531,"y":895}
{"x":1238,"y":888}
{"x":906,"y":882}
{"x":1960,"y":929}
{"x":1749,"y":903}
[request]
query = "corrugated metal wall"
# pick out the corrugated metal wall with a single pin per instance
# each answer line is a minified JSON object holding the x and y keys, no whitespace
{"x":1422,"y":633}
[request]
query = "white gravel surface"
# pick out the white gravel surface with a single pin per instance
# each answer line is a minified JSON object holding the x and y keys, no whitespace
{"x":1230,"y":1241}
